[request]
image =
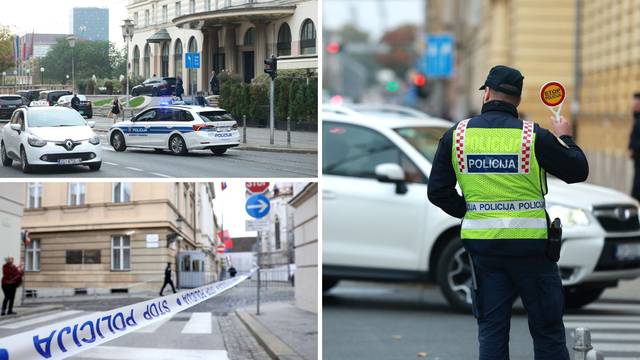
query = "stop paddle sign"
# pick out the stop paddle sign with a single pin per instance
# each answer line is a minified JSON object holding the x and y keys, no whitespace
{"x":257,"y":187}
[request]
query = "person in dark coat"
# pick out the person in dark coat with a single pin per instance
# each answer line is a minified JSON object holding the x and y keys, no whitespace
{"x":634,"y":146}
{"x":179,"y":88}
{"x":167,"y":279}
{"x":75,"y":102}
{"x":215,"y":83}
{"x":232,"y":271}
{"x":115,"y":109}
{"x":11,"y":279}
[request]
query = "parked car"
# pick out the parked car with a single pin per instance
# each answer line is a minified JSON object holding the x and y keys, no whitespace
{"x":85,"y":109}
{"x":379,"y":170}
{"x":8,"y":104}
{"x":30,"y":95}
{"x":52,"y":96}
{"x":156,"y":86}
{"x":44,"y":135}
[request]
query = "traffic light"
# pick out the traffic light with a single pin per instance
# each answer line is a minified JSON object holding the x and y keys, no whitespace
{"x":271,"y":66}
{"x":420,"y":83}
{"x":333,"y":47}
{"x":392,"y":86}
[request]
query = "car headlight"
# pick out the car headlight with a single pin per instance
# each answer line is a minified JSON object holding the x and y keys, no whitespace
{"x":568,"y":216}
{"x":36,"y":141}
{"x":95,"y":140}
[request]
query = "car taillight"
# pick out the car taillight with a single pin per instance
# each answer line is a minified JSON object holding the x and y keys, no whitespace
{"x":198,"y":127}
{"x":234,"y":126}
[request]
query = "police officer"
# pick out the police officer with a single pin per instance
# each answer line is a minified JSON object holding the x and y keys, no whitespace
{"x":501,"y":163}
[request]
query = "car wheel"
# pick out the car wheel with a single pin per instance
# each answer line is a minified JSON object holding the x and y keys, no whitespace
{"x":6,"y":160}
{"x":89,"y":116}
{"x":154,"y":92}
{"x":576,"y":297}
{"x":177,"y":145}
{"x":26,"y":168}
{"x":218,"y":151}
{"x":95,"y":166}
{"x":328,"y":284}
{"x":454,"y":275}
{"x":117,"y":141}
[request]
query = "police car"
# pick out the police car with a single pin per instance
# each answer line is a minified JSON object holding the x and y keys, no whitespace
{"x":178,"y":128}
{"x":43,"y":135}
{"x":379,"y":225}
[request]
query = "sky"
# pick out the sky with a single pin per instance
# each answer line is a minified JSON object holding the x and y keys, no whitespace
{"x":54,"y":16}
{"x":374,"y":16}
{"x":229,"y":207}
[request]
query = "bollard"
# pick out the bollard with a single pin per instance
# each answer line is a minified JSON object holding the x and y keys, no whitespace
{"x":288,"y":131}
{"x":583,"y":350}
{"x":244,"y":129}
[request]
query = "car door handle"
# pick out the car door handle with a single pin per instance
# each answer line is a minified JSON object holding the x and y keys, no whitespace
{"x":329,"y":195}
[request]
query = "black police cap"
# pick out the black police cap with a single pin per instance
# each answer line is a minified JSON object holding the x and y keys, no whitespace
{"x":504,"y":79}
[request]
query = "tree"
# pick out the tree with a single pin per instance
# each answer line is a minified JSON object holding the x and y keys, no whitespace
{"x":118,"y":60}
{"x":91,"y":57}
{"x":6,"y":49}
{"x":402,"y":52}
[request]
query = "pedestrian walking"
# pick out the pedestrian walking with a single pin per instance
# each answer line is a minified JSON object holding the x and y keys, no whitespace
{"x":116,"y":108}
{"x":634,"y":146}
{"x":232,"y":271}
{"x":75,"y":102}
{"x":167,"y":279}
{"x":179,"y":88}
{"x":500,"y":163}
{"x":11,"y":279}
{"x":214,"y":83}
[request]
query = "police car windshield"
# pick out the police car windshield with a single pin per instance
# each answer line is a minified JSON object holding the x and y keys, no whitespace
{"x":212,"y":116}
{"x":55,"y":119}
{"x":423,"y":139}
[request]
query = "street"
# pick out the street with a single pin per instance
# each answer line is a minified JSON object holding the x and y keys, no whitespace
{"x":384,"y":321}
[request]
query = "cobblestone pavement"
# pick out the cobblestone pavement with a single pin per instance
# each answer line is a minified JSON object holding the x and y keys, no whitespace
{"x":240,"y":344}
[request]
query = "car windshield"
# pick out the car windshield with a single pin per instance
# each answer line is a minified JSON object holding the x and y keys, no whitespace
{"x":423,"y":139}
{"x":211,"y":116}
{"x":55,"y":119}
{"x":10,"y":100}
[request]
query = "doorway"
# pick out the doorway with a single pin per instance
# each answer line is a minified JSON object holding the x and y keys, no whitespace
{"x":248,"y":63}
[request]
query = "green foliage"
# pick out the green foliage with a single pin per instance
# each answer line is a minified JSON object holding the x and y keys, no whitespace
{"x":91,"y":58}
{"x":6,"y":48}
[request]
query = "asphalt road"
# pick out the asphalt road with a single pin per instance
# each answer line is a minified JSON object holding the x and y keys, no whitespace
{"x":382,"y":321}
{"x":142,"y":163}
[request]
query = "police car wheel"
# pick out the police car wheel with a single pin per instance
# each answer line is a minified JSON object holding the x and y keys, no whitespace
{"x":6,"y":160}
{"x":454,"y":275}
{"x":26,"y":168}
{"x":117,"y":141}
{"x":177,"y":145}
{"x":218,"y":151}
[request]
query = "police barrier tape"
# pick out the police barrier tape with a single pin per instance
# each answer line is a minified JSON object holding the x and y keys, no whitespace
{"x":70,"y":337}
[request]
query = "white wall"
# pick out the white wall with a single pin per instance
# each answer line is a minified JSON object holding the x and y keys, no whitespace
{"x":12,"y":197}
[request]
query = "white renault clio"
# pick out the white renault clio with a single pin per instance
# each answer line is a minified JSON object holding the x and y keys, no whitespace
{"x":379,"y":225}
{"x":178,"y":128}
{"x":49,"y":136}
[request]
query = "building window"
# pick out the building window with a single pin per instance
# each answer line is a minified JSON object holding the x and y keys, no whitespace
{"x":165,"y":60}
{"x":153,"y":13}
{"x":146,"y":18}
{"x":178,"y":58}
{"x":207,"y":5}
{"x":82,"y":257}
{"x":178,"y":8}
{"x":192,"y":6}
{"x":76,"y":194}
{"x":136,"y":19}
{"x":32,"y":256}
{"x":284,"y":40}
{"x":147,"y":61}
{"x":34,"y":196}
{"x":121,"y":192}
{"x":308,"y":38}
{"x":136,"y":61}
{"x":250,"y":37}
{"x":120,"y":253}
{"x":165,"y":13}
{"x":277,"y":233}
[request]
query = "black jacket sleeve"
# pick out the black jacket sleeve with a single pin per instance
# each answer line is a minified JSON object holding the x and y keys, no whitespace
{"x":567,"y":163}
{"x":634,"y":138}
{"x":442,"y":180}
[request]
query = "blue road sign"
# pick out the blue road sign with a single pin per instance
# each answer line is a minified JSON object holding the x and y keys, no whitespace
{"x":437,"y":62}
{"x":192,"y":60}
{"x":258,"y":206}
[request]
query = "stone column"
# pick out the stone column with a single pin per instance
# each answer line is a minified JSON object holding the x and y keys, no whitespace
{"x":260,"y":47}
{"x":230,"y":48}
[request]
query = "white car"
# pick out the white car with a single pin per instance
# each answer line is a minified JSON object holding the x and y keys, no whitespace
{"x":379,"y":224}
{"x":49,"y":136}
{"x":178,"y":128}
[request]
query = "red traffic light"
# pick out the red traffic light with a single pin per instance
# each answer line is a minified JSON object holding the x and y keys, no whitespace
{"x":419,"y":80}
{"x":333,"y":47}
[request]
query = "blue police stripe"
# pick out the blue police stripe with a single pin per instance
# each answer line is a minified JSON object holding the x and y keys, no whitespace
{"x":154,"y":129}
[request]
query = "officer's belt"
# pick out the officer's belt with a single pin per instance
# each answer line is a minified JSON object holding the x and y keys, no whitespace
{"x":488,"y":206}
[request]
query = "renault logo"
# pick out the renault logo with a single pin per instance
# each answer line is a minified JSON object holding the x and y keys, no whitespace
{"x":69,"y":145}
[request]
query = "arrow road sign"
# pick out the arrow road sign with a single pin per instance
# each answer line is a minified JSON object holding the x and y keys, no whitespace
{"x":192,"y":60}
{"x":258,"y":206}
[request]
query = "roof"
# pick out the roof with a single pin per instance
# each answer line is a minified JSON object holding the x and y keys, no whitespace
{"x":161,"y":36}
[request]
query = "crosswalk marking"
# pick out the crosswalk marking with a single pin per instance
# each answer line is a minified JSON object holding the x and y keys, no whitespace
{"x":155,"y":326}
{"x":615,"y":337}
{"x":613,"y":306}
{"x":602,"y":325}
{"x":134,"y":353}
{"x":37,"y":320}
{"x":199,"y":323}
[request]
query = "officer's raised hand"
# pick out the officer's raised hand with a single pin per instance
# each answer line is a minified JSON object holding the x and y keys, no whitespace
{"x":561,"y":127}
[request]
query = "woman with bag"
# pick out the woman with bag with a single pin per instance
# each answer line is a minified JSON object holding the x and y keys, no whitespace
{"x":116,"y":107}
{"x":11,"y":279}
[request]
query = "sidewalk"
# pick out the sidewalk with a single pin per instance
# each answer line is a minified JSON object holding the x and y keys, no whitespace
{"x":257,"y":138}
{"x":285,"y":331}
{"x":26,"y":310}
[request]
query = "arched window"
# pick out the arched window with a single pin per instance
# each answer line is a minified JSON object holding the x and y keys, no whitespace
{"x":147,"y":61}
{"x":277,"y":233}
{"x":165,"y":60}
{"x":308,"y":38}
{"x":284,"y":40}
{"x":250,"y":37}
{"x":193,"y":73}
{"x":178,"y":58}
{"x":136,"y":61}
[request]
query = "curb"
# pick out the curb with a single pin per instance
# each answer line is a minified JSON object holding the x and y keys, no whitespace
{"x":276,"y":149}
{"x":275,"y":347}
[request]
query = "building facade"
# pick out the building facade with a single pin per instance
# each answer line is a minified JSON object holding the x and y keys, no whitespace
{"x":117,"y":237}
{"x":277,"y":243}
{"x":11,"y":208}
{"x":231,"y":35}
{"x":90,"y":23}
{"x":305,"y":227}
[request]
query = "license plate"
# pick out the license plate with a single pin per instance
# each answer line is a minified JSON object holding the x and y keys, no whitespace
{"x":69,"y":161}
{"x":628,"y":252}
{"x":223,"y":135}
{"x":223,"y":129}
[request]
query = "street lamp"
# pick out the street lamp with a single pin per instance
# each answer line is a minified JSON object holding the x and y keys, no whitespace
{"x":67,"y":80}
{"x":72,"y":44}
{"x":4,"y":73}
{"x":42,"y":75}
{"x":127,"y":35}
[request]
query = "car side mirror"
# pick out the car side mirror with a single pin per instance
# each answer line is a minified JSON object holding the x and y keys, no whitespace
{"x":92,"y":124}
{"x":16,"y":127}
{"x":392,"y":173}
